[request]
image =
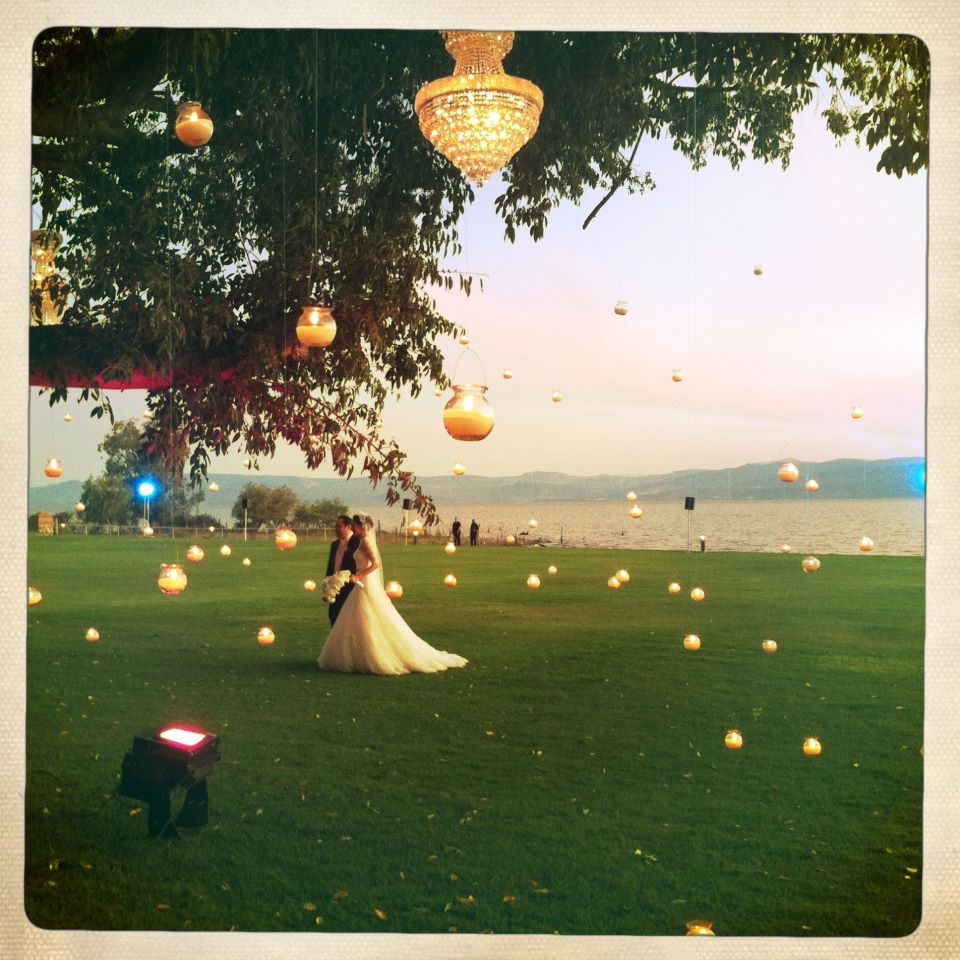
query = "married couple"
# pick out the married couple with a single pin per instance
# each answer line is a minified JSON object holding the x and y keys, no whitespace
{"x":367,"y":634}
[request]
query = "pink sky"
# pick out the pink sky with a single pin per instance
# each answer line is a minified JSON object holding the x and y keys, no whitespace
{"x":772,"y":364}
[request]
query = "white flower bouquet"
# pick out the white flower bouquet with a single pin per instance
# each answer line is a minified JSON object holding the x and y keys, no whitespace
{"x":334,"y":584}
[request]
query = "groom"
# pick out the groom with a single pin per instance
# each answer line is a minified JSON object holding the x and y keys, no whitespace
{"x":342,"y":558}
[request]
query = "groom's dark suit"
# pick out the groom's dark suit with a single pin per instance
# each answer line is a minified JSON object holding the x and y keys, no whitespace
{"x":349,"y":562}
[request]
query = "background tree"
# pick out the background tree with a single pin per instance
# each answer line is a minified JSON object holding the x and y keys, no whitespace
{"x":270,"y":505}
{"x":193,"y":264}
{"x":319,"y":513}
{"x":108,"y":499}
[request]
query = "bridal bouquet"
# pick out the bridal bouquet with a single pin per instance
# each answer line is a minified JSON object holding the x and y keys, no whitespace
{"x":334,"y":584}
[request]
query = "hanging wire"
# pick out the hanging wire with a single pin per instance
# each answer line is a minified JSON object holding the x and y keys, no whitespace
{"x":168,"y":203}
{"x":316,"y":147}
{"x":467,"y":350}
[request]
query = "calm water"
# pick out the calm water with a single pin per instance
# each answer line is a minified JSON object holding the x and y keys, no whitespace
{"x":815,"y":526}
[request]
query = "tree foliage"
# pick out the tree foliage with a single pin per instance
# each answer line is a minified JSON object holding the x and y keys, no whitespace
{"x":270,"y":505}
{"x":107,"y":499}
{"x":318,"y":184}
{"x":319,"y":513}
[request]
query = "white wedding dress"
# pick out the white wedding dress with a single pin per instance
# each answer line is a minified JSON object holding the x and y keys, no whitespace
{"x":371,"y":637}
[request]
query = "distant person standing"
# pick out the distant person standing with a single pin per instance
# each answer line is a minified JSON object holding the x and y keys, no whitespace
{"x":455,"y":530}
{"x":474,"y":532}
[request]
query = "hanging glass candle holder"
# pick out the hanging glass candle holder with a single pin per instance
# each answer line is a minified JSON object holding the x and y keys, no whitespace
{"x":621,"y":307}
{"x":556,"y":396}
{"x":810,"y":564}
{"x":309,"y":585}
{"x":700,"y":928}
{"x":459,"y":469}
{"x":92,"y":635}
{"x":148,"y":531}
{"x":865,"y":545}
{"x":285,"y":538}
{"x":265,"y":637}
{"x":757,"y":270}
{"x":769,"y":646}
{"x":53,"y":467}
{"x":812,"y":486}
{"x":677,"y":375}
{"x":812,"y":747}
{"x":449,"y":580}
{"x":552,"y":570}
{"x":79,"y":507}
{"x":635,"y":512}
{"x":623,"y":576}
{"x":468,"y":414}
{"x":674,"y":587}
{"x":34,"y":596}
{"x":67,"y":417}
{"x":697,"y":593}
{"x":394,"y":590}
{"x":613,"y":583}
{"x":533,"y":582}
{"x":194,"y":553}
{"x":172,"y":579}
{"x":214,"y":486}
{"x":463,"y":340}
{"x":789,"y":472}
{"x":532,"y":523}
{"x":316,"y":326}
{"x":691,"y":642}
{"x":193,"y":125}
{"x":506,"y":373}
{"x":857,"y":413}
{"x":450,"y":548}
{"x":226,"y":550}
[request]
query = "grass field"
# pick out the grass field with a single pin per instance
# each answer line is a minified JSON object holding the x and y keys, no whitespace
{"x":572,"y":778}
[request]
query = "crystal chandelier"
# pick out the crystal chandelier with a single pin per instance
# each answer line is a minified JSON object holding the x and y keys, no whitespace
{"x":480,"y":117}
{"x":44,"y":245}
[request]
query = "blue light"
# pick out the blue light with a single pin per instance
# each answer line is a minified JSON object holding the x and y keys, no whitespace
{"x":920,"y":478}
{"x":146,"y":489}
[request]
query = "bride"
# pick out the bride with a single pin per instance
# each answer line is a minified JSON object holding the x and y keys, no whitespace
{"x":369,"y":635}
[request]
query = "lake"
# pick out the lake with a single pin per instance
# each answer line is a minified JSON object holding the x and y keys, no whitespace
{"x":811,"y":526}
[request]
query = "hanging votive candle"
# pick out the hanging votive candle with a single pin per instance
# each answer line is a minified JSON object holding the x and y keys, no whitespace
{"x":225,"y":550}
{"x":246,"y":561}
{"x":691,"y":642}
{"x":533,"y":581}
{"x":463,"y":340}
{"x":394,"y":590}
{"x":468,"y":414}
{"x":415,"y":526}
{"x":788,"y":472}
{"x":621,"y":307}
{"x":449,"y":580}
{"x":438,"y":392}
{"x":285,"y":538}
{"x":677,"y":375}
{"x":194,"y":126}
{"x":194,"y":553}
{"x":700,"y":928}
{"x":214,"y":487}
{"x":857,"y":413}
{"x":247,"y":463}
{"x":506,"y":373}
{"x":556,"y":396}
{"x":34,"y":596}
{"x":316,"y":326}
{"x":459,"y":469}
{"x":757,"y":270}
{"x":635,"y":512}
{"x":769,"y":646}
{"x":92,"y":635}
{"x":53,"y":468}
{"x":811,"y":486}
{"x":810,"y":564}
{"x":552,"y":570}
{"x":613,"y":583}
{"x":785,"y":548}
{"x":148,"y":531}
{"x":310,"y":585}
{"x":265,"y":637}
{"x":622,"y":576}
{"x":811,"y":747}
{"x":511,"y":540}
{"x":631,"y":496}
{"x":866,"y":544}
{"x":451,"y":547}
{"x":172,"y":579}
{"x":733,"y":740}
{"x":697,"y":593}
{"x":79,"y":507}
{"x":674,"y":587}
{"x":532,"y":524}
{"x":67,"y":418}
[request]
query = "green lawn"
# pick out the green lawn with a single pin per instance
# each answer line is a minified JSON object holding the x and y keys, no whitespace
{"x":572,"y":778}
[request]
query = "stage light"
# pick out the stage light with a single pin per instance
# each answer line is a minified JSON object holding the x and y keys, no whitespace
{"x":146,"y":489}
{"x":162,"y":763}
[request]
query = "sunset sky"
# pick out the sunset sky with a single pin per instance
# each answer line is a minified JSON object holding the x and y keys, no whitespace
{"x":772,"y":364}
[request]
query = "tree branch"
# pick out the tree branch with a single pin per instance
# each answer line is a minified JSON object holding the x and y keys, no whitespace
{"x":617,"y":185}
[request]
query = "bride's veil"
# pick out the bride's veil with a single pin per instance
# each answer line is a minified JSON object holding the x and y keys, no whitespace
{"x":371,"y":539}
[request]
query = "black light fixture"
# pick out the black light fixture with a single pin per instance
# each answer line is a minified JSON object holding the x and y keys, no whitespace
{"x":166,"y":759}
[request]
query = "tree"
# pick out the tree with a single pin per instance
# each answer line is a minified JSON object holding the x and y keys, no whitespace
{"x":270,"y":505}
{"x":124,"y":450}
{"x":107,"y":499}
{"x":319,"y":513}
{"x":192,"y":265}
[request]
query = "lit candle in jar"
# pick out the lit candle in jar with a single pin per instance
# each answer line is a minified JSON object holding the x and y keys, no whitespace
{"x":316,"y":326}
{"x":769,"y":646}
{"x":193,"y":125}
{"x":172,"y":579}
{"x":733,"y":740}
{"x":691,"y":642}
{"x":811,"y":747}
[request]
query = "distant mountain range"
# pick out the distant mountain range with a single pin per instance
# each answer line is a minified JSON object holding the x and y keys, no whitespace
{"x":839,"y":479}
